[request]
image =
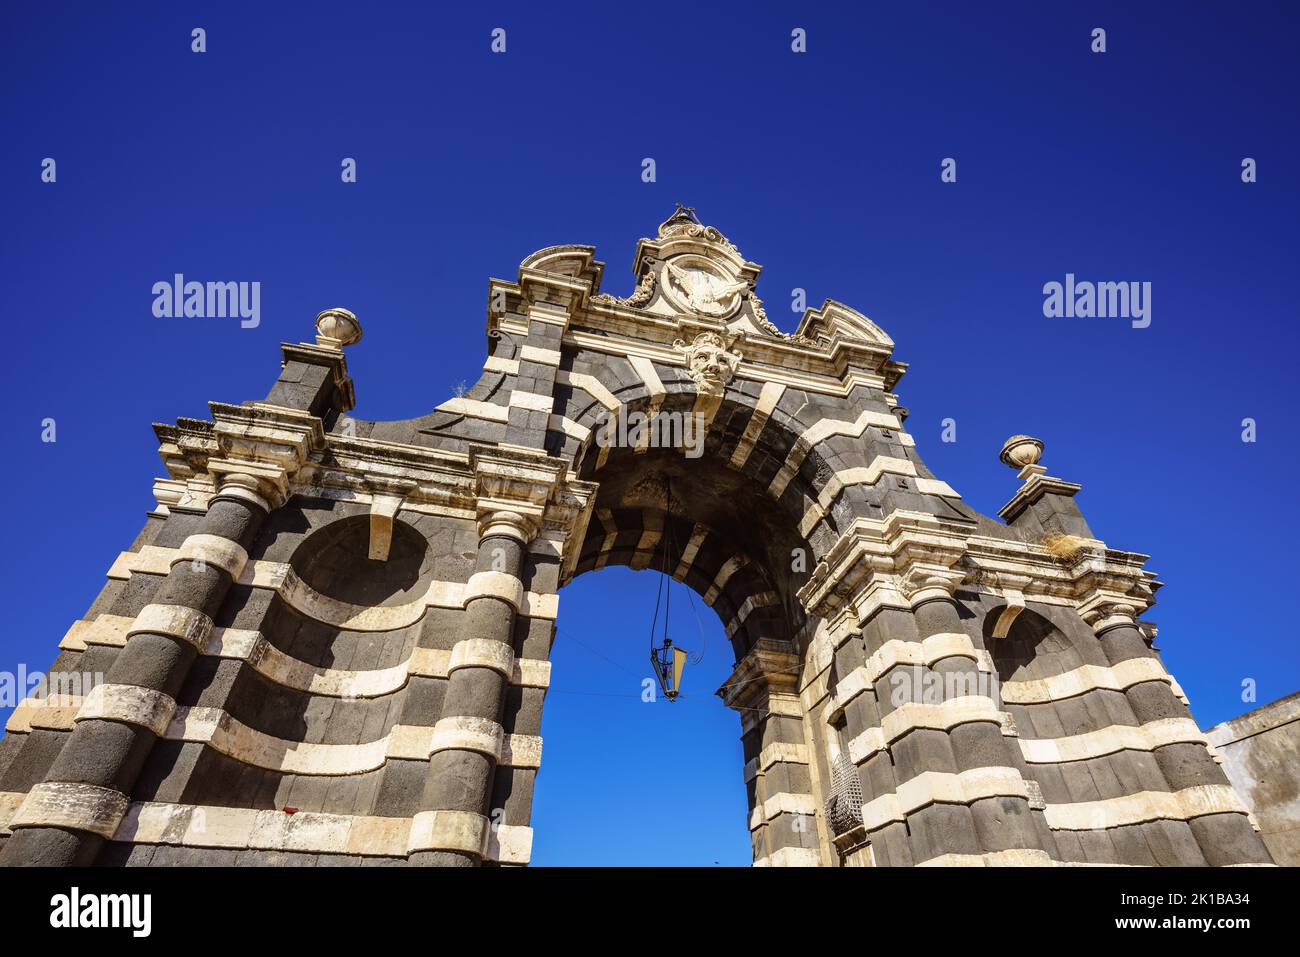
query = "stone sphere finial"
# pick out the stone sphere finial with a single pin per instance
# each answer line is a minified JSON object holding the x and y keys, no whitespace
{"x":1020,"y":451}
{"x":337,"y":328}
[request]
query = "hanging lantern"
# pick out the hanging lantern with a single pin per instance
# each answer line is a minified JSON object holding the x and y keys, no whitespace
{"x":669,"y":662}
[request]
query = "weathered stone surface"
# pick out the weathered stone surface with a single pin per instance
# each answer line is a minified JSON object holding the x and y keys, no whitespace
{"x":1256,"y":749}
{"x":330,"y":643}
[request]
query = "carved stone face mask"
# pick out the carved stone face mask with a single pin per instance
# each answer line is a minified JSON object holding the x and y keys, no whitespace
{"x":708,"y":365}
{"x":711,"y":364}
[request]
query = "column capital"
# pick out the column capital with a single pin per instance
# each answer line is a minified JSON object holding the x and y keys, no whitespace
{"x":921,"y":584}
{"x":241,"y":480}
{"x":506,"y":523}
{"x":261,"y":447}
{"x":771,"y":667}
{"x":1103,"y":612}
{"x":1113,"y":589}
{"x":513,"y":487}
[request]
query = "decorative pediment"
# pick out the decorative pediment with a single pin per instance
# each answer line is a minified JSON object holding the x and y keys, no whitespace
{"x":690,"y":272}
{"x":578,"y":262}
{"x":834,"y":318}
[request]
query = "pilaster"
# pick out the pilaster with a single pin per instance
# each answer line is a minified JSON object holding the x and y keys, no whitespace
{"x":763,"y":689}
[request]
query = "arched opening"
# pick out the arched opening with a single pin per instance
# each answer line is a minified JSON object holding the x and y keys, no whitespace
{"x":672,"y":783}
{"x":629,"y":778}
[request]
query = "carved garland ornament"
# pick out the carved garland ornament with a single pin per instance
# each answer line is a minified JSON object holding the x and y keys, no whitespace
{"x":760,"y":316}
{"x":640,"y":295}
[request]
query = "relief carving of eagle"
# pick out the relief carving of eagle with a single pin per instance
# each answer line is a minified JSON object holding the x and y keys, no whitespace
{"x":706,"y":294}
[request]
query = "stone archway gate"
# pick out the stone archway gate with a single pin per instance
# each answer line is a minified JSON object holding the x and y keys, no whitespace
{"x":330,"y":641}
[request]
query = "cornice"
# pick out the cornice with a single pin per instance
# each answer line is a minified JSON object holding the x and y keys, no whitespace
{"x":763,"y":361}
{"x":257,"y":437}
{"x":261,"y":444}
{"x":913,"y":549}
{"x":888,"y":561}
{"x":432,"y":477}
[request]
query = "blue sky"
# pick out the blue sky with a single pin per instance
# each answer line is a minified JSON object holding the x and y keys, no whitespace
{"x":823,"y":166}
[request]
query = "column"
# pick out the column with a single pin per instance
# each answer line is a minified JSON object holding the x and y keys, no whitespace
{"x":988,"y":764}
{"x":1223,"y":830}
{"x":957,"y":792}
{"x":914,"y":739}
{"x":65,"y":819}
{"x":453,"y":827}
